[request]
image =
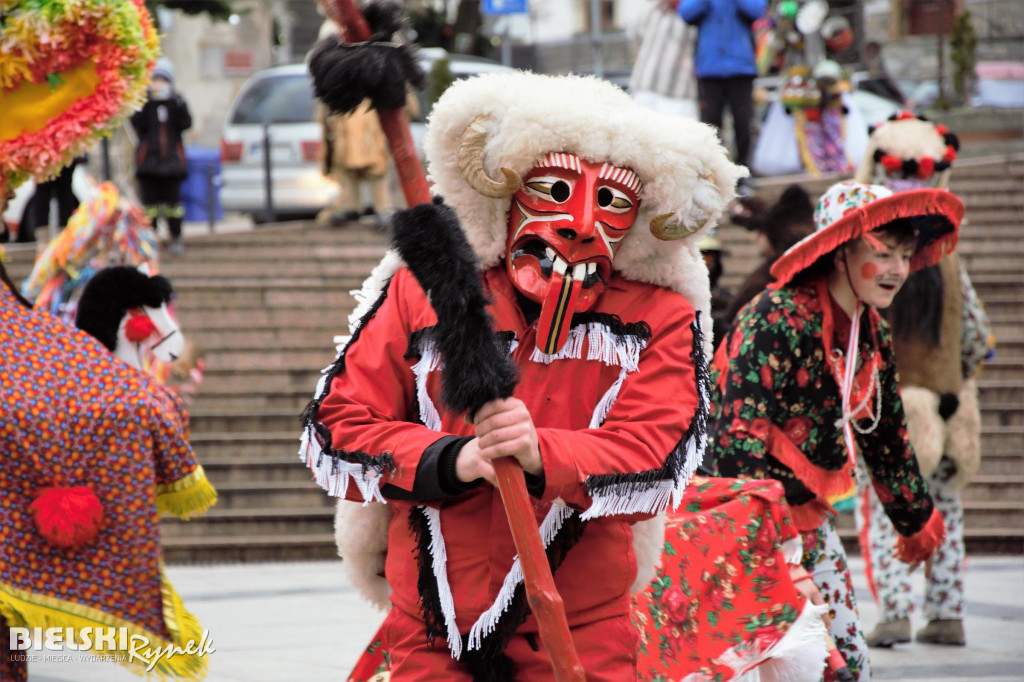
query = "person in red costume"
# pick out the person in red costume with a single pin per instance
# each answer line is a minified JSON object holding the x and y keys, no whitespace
{"x":584,"y":211}
{"x":807,"y":381}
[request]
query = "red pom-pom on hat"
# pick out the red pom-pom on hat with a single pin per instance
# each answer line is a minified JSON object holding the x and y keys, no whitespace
{"x":138,"y":327}
{"x":925,"y":167}
{"x":891,"y":163}
{"x":67,"y":517}
{"x":950,"y":154}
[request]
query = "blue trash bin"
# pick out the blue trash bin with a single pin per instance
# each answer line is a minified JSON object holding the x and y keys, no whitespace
{"x":203,"y":179}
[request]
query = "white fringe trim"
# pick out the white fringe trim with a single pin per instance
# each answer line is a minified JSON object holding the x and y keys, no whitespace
{"x":793,"y":550}
{"x":444,"y":590}
{"x":654,"y":500}
{"x":607,"y":400}
{"x":334,"y":476}
{"x":372,"y":286}
{"x":488,"y":620}
{"x":572,"y":350}
{"x":614,"y":350}
{"x":430,"y":360}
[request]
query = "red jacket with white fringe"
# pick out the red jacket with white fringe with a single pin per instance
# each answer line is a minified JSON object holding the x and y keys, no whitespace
{"x":613,"y":411}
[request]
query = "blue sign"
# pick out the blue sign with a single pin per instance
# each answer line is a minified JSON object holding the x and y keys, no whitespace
{"x":503,"y":6}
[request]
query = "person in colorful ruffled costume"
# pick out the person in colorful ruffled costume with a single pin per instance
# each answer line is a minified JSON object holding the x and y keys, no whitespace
{"x":806,"y":381}
{"x":94,"y":451}
{"x":81,"y":428}
{"x":941,"y":337}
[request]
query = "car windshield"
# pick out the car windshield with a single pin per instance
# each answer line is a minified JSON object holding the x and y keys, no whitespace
{"x":276,"y":99}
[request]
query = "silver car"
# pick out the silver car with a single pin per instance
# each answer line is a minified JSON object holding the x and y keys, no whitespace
{"x":281,"y":97}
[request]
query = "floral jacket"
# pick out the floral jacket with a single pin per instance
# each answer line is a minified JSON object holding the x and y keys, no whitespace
{"x":778,"y":408}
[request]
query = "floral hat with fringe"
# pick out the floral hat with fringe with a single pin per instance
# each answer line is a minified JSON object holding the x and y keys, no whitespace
{"x":849,"y":210}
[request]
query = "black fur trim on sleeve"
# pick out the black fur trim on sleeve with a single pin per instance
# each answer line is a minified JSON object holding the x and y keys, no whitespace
{"x":675,"y":464}
{"x":380,"y":463}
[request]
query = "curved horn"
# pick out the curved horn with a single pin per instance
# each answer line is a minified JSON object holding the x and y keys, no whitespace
{"x":471,"y":163}
{"x":667,"y":232}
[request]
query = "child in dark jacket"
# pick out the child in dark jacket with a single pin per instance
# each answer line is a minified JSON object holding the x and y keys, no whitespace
{"x":160,"y":164}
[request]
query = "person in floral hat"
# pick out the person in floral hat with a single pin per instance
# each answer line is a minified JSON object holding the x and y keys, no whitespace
{"x":807,"y":383}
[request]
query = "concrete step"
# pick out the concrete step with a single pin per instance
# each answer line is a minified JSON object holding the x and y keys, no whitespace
{"x":1003,"y":414}
{"x":258,"y":380}
{"x":279,"y":466}
{"x":195,"y":320}
{"x":996,"y":488}
{"x":250,"y":548}
{"x":1001,"y":464}
{"x":276,"y":338}
{"x":233,"y":400}
{"x":227,"y":523}
{"x":997,"y":390}
{"x":288,"y":359}
{"x":246,"y":421}
{"x":273,"y":495}
{"x":220,"y":446}
{"x":1002,"y":439}
{"x":244,"y":299}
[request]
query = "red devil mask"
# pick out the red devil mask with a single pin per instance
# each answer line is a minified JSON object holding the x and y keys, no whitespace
{"x":565,"y":225}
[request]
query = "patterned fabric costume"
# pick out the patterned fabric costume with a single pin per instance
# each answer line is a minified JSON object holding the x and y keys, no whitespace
{"x":722,"y":601}
{"x":75,"y":416}
{"x":793,"y":407}
{"x":614,"y":389}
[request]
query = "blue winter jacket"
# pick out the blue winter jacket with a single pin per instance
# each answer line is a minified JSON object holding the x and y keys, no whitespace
{"x":725,"y":45}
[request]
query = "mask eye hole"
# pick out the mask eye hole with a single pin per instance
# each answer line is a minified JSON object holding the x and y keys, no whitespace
{"x":613,"y":200}
{"x":557,"y":189}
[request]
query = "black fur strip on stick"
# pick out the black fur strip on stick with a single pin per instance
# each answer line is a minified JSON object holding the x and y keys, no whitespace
{"x":477,"y":367}
{"x":344,"y":75}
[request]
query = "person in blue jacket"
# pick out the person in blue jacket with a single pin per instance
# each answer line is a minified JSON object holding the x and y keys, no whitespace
{"x":725,"y":61}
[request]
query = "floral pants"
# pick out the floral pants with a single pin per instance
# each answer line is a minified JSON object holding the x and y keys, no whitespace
{"x":825,"y":559}
{"x":889,"y":578}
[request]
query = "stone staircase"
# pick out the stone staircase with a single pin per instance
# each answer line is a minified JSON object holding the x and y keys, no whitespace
{"x":992,"y":248}
{"x":265,"y":305}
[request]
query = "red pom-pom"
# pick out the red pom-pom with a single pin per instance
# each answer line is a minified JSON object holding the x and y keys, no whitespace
{"x":905,"y":115}
{"x":67,"y":517}
{"x":892,"y":163}
{"x":950,"y":154}
{"x":138,"y":327}
{"x":925,"y":167}
{"x":941,"y":129}
{"x":813,"y":114}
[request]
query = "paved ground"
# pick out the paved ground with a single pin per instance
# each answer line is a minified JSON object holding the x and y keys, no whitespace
{"x":301,"y":622}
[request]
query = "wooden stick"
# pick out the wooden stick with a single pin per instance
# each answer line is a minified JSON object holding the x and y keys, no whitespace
{"x":544,"y":600}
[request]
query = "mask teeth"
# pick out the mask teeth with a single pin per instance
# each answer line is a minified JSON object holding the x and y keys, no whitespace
{"x":560,"y":265}
{"x":580,"y":272}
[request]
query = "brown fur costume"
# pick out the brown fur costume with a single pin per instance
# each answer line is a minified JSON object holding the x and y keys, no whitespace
{"x":929,"y":371}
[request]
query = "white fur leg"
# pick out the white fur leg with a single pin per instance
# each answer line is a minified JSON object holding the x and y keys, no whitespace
{"x":963,"y":437}
{"x":361,"y":533}
{"x":648,"y":544}
{"x":924,"y":425}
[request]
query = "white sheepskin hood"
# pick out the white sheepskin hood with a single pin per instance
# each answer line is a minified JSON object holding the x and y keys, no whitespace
{"x":683,"y":166}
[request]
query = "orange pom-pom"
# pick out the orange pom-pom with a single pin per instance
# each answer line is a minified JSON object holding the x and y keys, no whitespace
{"x":67,"y":517}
